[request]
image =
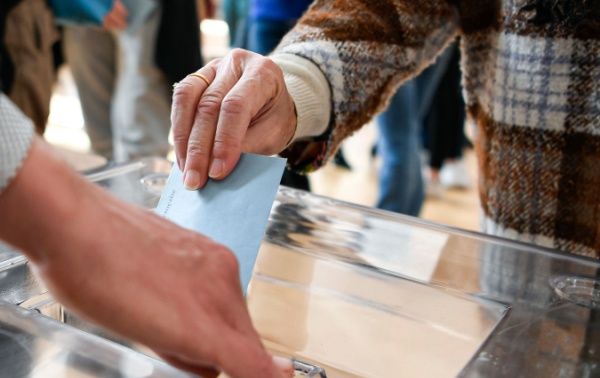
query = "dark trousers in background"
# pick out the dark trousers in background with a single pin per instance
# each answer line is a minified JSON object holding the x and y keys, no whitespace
{"x":445,"y":117}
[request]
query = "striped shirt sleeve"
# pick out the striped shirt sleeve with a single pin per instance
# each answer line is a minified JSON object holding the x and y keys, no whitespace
{"x":16,"y":136}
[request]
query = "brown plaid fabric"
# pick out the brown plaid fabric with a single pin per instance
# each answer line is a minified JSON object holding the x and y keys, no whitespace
{"x":532,"y":89}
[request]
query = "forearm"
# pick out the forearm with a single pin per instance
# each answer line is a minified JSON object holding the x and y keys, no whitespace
{"x":39,"y":203}
{"x":366,"y":50}
{"x":87,"y":244}
{"x":34,"y":198}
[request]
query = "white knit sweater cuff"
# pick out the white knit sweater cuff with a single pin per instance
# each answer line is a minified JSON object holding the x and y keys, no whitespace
{"x":310,"y":91}
{"x":16,"y":136}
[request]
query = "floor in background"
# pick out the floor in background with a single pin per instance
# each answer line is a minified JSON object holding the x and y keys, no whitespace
{"x":457,"y":208}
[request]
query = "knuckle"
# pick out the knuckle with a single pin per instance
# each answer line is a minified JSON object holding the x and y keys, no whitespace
{"x":227,"y":259}
{"x":238,"y":54}
{"x":226,"y":140}
{"x":224,"y":262}
{"x":226,"y":143}
{"x":209,"y":105}
{"x":180,"y":137}
{"x":267,"y":65}
{"x":197,"y":150}
{"x":215,"y":62}
{"x":234,"y":105}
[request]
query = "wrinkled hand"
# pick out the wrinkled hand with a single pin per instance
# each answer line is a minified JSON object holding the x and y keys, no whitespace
{"x":116,"y":18}
{"x":246,"y":108}
{"x":133,"y":272}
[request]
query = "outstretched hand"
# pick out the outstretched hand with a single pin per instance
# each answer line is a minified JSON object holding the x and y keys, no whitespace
{"x":246,"y":108}
{"x":133,"y":272}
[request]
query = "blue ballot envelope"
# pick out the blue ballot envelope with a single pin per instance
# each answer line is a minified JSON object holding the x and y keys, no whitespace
{"x":233,"y":211}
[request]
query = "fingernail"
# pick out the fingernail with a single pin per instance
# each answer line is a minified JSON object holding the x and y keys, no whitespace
{"x":216,"y":168}
{"x":191,"y":180}
{"x":284,"y":364}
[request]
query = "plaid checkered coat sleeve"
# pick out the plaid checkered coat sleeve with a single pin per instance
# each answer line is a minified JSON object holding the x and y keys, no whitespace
{"x":532,"y":90}
{"x":366,"y":49}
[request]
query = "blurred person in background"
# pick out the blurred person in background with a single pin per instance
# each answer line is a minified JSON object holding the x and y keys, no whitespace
{"x":125,"y":71}
{"x":28,"y":57}
{"x":431,"y":105}
{"x":401,"y":187}
{"x":270,"y":20}
{"x":235,"y":13}
{"x":444,"y":124}
{"x":530,"y":75}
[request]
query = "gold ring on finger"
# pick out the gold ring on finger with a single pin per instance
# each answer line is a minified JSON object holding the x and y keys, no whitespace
{"x":201,"y":77}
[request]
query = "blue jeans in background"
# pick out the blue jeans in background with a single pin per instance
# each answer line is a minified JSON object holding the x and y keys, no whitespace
{"x":400,"y":139}
{"x":264,"y":35}
{"x":399,"y":145}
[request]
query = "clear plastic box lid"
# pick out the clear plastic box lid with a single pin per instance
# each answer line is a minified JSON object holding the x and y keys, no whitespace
{"x":360,"y":292}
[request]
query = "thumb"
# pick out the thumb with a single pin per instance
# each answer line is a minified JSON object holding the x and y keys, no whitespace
{"x":284,"y":365}
{"x":256,"y":362}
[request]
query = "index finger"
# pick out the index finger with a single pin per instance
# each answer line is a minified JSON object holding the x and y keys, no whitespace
{"x":186,"y":96}
{"x":201,"y":142}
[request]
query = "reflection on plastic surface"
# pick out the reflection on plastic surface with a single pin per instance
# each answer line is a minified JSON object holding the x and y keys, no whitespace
{"x":155,"y":182}
{"x":305,"y":369}
{"x":335,"y":282}
{"x":137,"y":182}
{"x":40,"y":347}
{"x":358,"y":322}
{"x":8,"y":256}
{"x":584,"y":291}
{"x":46,"y":305}
{"x":18,"y":283}
{"x":358,"y":291}
{"x":328,"y":288}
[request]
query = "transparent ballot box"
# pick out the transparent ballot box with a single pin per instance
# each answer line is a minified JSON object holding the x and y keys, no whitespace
{"x":350,"y":291}
{"x":33,"y":345}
